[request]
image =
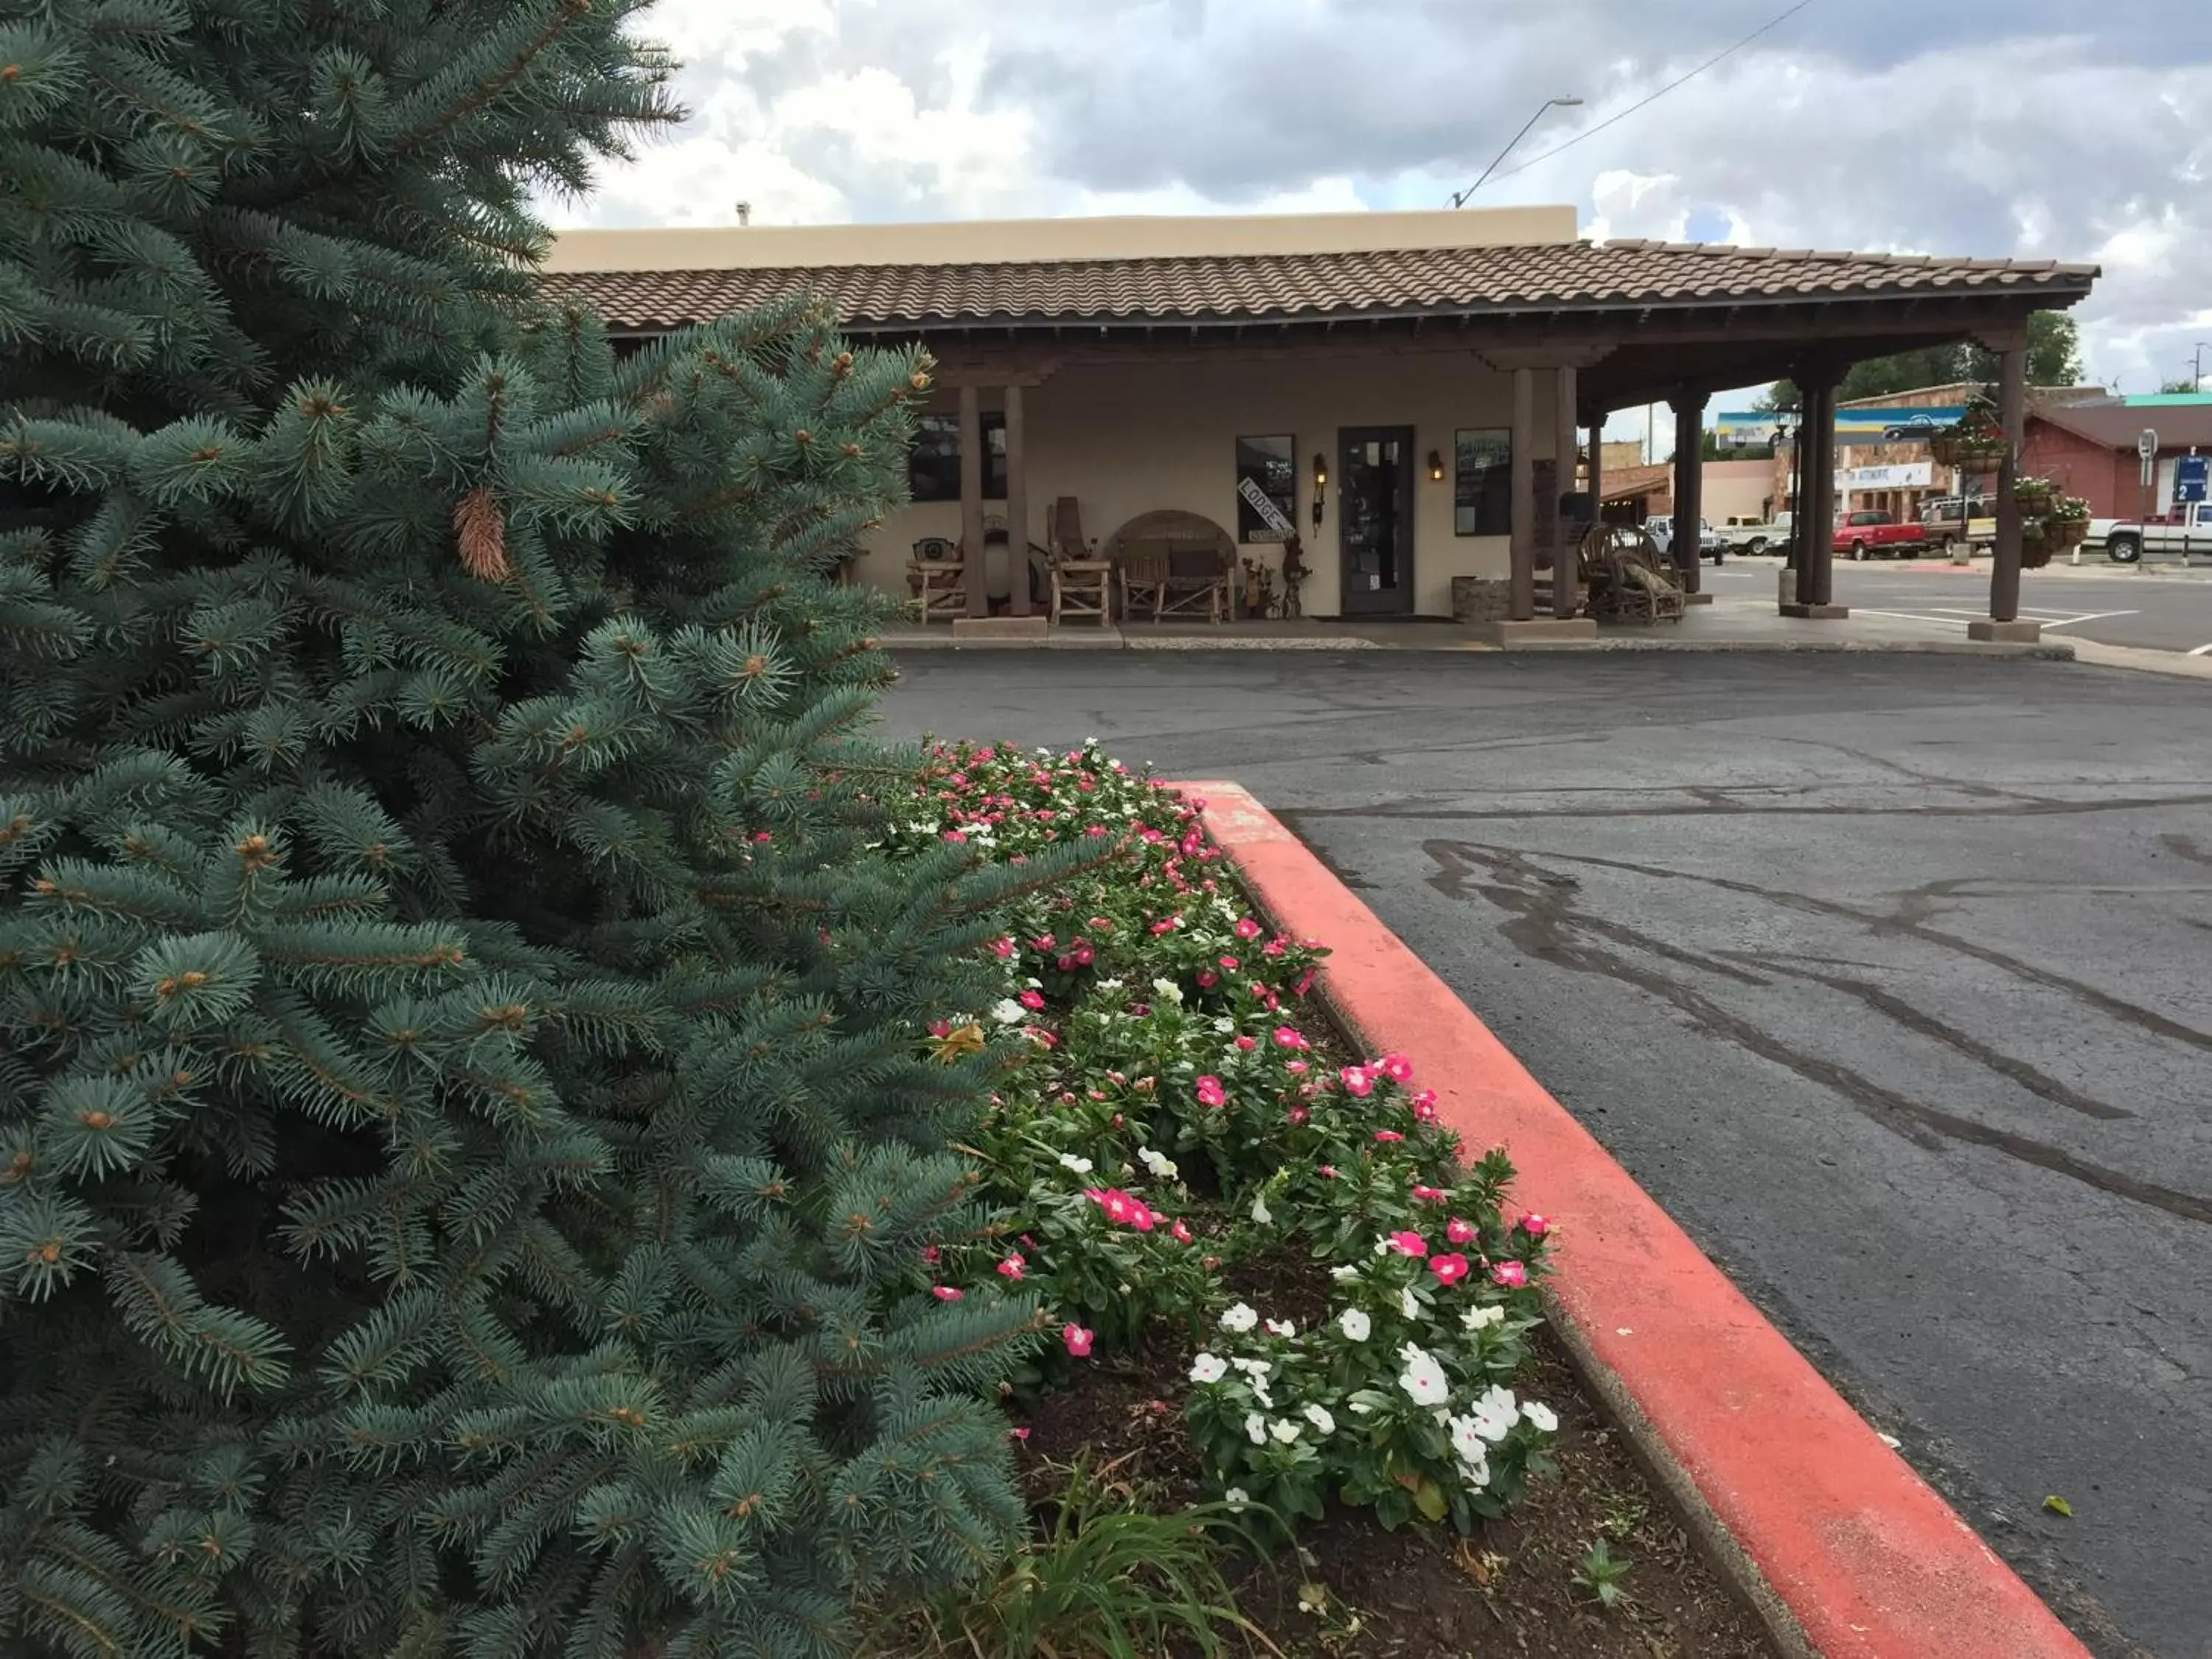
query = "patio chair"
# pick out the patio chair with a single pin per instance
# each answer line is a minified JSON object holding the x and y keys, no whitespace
{"x":1627,"y":582}
{"x":937,"y":580}
{"x":1175,"y":564}
{"x":1082,"y":582}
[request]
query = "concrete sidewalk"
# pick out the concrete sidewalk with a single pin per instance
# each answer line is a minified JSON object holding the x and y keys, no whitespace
{"x":1726,"y":624}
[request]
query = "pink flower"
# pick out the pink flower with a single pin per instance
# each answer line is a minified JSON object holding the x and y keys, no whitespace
{"x":1085,"y":956}
{"x":1011,"y":1267}
{"x":1042,"y":942}
{"x":1329,"y":1171}
{"x":1299,"y":1114}
{"x":1229,"y":963}
{"x":1031,"y":999}
{"x":930,"y":1254}
{"x":1211,"y":1093}
{"x":1305,"y":984}
{"x":1002,"y":947}
{"x":1357,"y":1081}
{"x":1449,"y":1269}
{"x":1409,"y":1243}
{"x":1247,"y":1044}
{"x":1534,"y":1225}
{"x":1247,"y":928}
{"x":954,"y":835}
{"x":1286,"y":1036}
{"x":1166,"y":925}
{"x":1387,"y":1135}
{"x":1511,"y":1275}
{"x":1273,"y":947}
{"x":1207,"y":979}
{"x":1295,"y":1068}
{"x":761,"y":836}
{"x":1078,"y":1340}
{"x":1424,"y":1106}
{"x":1019,"y":1434}
{"x":1064,"y":964}
{"x":1431,"y":1195}
{"x":1182,"y":1233}
{"x":1396,"y":1068}
{"x":944,"y":1292}
{"x":1459,"y":1231}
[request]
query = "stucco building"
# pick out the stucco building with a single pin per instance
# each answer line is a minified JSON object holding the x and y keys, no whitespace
{"x":1407,"y":391}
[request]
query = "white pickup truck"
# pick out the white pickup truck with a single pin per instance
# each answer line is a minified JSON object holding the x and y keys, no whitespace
{"x":1756,"y":535}
{"x":2185,"y":531}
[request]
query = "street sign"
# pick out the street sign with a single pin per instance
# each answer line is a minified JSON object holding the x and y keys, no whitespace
{"x":2147,"y":446}
{"x":2190,"y":474}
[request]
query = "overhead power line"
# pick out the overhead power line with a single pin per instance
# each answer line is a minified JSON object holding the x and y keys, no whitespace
{"x":1641,"y":103}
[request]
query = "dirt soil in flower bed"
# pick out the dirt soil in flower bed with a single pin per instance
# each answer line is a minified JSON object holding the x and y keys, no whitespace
{"x":1422,"y":1593}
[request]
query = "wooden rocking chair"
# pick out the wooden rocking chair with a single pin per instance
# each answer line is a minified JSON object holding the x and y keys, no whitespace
{"x":1627,"y":583}
{"x":1082,"y":582}
{"x":937,"y":580}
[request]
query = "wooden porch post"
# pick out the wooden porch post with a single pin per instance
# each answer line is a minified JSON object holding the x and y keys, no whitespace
{"x":975,"y":572}
{"x":2012,"y":413}
{"x":1566,"y":562}
{"x":1522,"y":594}
{"x":1017,"y":504}
{"x":1689,"y":407}
{"x":1596,"y":419}
{"x":1816,"y":498}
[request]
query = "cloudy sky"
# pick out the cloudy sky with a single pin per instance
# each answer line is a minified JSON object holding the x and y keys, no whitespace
{"x":2077,"y":130}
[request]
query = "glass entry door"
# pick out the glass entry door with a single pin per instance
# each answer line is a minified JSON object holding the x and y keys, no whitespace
{"x":1375,"y":519}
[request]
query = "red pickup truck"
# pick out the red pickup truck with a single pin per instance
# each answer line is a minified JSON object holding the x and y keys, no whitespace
{"x":1863,"y":535}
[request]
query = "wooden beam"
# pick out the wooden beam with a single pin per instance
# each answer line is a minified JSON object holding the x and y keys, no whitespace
{"x":1522,"y":589}
{"x":1017,"y":501}
{"x":1564,"y":588}
{"x":975,"y":574}
{"x":2012,"y":413}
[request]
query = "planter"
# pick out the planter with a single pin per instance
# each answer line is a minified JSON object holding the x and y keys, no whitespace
{"x":2059,"y":534}
{"x":2034,"y":552}
{"x":2035,"y":494}
{"x":1969,"y":451}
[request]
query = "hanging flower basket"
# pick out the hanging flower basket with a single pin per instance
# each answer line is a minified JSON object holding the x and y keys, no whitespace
{"x":2035,"y":496}
{"x":2067,"y":525}
{"x":1976,"y":444}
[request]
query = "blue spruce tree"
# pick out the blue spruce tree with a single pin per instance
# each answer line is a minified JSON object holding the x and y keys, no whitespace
{"x":465,"y":1155}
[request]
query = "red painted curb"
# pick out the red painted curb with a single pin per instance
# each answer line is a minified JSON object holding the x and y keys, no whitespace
{"x":1861,"y":1553}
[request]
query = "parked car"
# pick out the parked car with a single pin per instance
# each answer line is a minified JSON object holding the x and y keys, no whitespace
{"x":2186,"y":530}
{"x":1661,"y":528}
{"x":1757,"y":535}
{"x":1939,"y":519}
{"x":1913,"y":426}
{"x":1864,"y":534}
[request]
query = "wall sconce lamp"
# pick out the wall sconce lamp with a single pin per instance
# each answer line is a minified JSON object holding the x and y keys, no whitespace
{"x":1320,"y":486}
{"x":1436,"y":467}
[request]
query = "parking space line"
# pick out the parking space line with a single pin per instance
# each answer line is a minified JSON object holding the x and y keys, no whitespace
{"x":2202,"y":651}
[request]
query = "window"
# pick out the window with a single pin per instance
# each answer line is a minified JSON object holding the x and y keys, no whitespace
{"x":1482,"y":482}
{"x":933,"y":468}
{"x":1267,"y":489}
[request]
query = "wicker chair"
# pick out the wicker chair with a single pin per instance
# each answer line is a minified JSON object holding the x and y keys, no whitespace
{"x":1173,"y":564}
{"x":1628,"y":581}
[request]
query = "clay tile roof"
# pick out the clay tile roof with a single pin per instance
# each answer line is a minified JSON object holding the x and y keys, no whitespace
{"x":1307,"y":287}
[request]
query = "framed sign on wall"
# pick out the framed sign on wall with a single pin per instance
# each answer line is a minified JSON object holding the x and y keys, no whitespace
{"x":1266,"y":488}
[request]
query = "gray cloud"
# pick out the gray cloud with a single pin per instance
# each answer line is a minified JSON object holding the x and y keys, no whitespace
{"x":2033,"y":128}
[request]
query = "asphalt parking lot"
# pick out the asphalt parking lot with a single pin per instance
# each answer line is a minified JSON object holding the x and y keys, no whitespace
{"x":1890,"y":976}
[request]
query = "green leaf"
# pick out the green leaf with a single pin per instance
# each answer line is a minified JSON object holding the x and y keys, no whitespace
{"x":2058,"y":1506}
{"x":1429,"y":1498}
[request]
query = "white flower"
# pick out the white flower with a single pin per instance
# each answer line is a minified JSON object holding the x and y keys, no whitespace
{"x":1239,"y":1318}
{"x":1538,"y":1415}
{"x":1498,"y":1398}
{"x":1343,"y":1272}
{"x":1406,"y":1305}
{"x":1423,"y":1379}
{"x":1252,"y":1367}
{"x":1468,"y":1441}
{"x":1476,"y":1318}
{"x":1282,"y":1327}
{"x":1167,"y":991}
{"x":1208,"y":1367}
{"x":1159,"y":1163}
{"x":1382,"y":1247}
{"x":1260,"y":1212}
{"x":1354,"y":1323}
{"x":1260,"y":1393}
{"x":1111,"y":984}
{"x":1070,"y":1161}
{"x":1224,"y":1026}
{"x":1284,"y":1430}
{"x":1492,"y":1421}
{"x":1477,"y":1470}
{"x":1256,"y":1428}
{"x":1008,"y":1012}
{"x":1361,"y":1407}
{"x":1318,"y":1416}
{"x":1237,"y":1500}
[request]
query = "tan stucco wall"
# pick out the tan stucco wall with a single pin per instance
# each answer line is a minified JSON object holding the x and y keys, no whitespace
{"x":1735,"y":489}
{"x":1126,"y":439}
{"x":1015,"y":241}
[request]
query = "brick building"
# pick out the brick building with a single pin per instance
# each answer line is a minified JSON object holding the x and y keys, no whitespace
{"x":2089,"y":450}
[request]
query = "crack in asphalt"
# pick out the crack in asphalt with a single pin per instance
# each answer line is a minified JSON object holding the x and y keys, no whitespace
{"x":1541,"y":921}
{"x":1715,"y":801}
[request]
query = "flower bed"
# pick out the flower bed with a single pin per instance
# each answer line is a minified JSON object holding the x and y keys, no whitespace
{"x":1276,"y":1238}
